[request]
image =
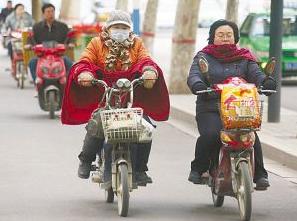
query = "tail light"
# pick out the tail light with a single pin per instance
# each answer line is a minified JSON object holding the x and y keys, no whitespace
{"x":238,"y":140}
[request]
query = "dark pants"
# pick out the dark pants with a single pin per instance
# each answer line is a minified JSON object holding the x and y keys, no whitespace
{"x":9,"y":48}
{"x":209,"y":126}
{"x":33,"y":65}
{"x":93,"y":145}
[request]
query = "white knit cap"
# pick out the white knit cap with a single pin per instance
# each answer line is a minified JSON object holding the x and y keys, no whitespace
{"x":119,"y":17}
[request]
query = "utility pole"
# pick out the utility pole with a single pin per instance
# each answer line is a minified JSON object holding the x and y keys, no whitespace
{"x":149,"y":24}
{"x":183,"y":44}
{"x":136,"y":17}
{"x":232,"y":11}
{"x":122,"y":5}
{"x":275,"y":50}
{"x":70,"y":11}
{"x":36,"y":10}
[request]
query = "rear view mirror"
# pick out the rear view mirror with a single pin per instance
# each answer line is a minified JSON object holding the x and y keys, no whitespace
{"x":203,"y":67}
{"x":270,"y":66}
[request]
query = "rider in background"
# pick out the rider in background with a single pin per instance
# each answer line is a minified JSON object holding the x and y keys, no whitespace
{"x":116,"y":53}
{"x":49,"y":30}
{"x":17,"y":20}
{"x":6,"y":11}
{"x":225,"y":59}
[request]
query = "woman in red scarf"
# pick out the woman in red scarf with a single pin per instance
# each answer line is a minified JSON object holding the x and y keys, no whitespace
{"x":116,"y":53}
{"x":225,"y":59}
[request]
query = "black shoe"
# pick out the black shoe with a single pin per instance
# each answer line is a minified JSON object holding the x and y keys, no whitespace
{"x":262,"y":184}
{"x":141,"y":178}
{"x":195,"y":177}
{"x":84,"y":170}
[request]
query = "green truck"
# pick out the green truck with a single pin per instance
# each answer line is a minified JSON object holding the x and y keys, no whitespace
{"x":254,"y":34}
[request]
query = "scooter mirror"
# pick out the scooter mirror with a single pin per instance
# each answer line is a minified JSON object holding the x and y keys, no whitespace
{"x":270,"y":66}
{"x":203,"y":65}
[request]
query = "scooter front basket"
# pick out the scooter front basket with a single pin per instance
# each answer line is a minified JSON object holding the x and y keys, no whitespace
{"x":122,"y":125}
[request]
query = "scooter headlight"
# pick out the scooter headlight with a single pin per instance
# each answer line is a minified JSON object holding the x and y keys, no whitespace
{"x":57,"y":70}
{"x":44,"y":70}
{"x":123,"y":83}
{"x":127,"y":84}
{"x":120,"y":83}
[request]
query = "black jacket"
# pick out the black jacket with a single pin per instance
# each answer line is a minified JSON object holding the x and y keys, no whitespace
{"x":218,"y":72}
{"x":57,"y":32}
{"x":4,"y":13}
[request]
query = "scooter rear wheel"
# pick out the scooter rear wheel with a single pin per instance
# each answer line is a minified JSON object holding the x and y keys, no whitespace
{"x":244,"y":191}
{"x":123,"y":190}
{"x":109,"y":194}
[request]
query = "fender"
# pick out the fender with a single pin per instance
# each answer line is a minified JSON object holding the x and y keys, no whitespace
{"x":50,"y":88}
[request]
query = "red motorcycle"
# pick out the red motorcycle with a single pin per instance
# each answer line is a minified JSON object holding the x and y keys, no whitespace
{"x":50,"y":76}
{"x":231,"y":173}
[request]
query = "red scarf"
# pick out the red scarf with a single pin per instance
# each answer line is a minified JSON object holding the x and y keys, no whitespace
{"x":228,"y":53}
{"x":79,"y":102}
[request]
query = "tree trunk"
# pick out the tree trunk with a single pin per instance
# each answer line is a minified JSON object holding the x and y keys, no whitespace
{"x":232,"y":11}
{"x":149,"y":24}
{"x":70,"y":11}
{"x":36,"y":10}
{"x":122,"y":5}
{"x":183,"y":44}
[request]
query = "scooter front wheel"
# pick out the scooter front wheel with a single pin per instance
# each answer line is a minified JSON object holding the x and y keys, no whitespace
{"x":244,"y":191}
{"x":51,"y":103}
{"x":20,"y":69}
{"x":123,"y":190}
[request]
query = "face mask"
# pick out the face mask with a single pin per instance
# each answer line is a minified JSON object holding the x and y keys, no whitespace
{"x":119,"y":35}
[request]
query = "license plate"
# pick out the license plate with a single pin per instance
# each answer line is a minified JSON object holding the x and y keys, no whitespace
{"x":291,"y":66}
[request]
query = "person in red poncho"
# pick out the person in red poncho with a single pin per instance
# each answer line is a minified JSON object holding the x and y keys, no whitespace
{"x":225,"y":59}
{"x":115,"y":53}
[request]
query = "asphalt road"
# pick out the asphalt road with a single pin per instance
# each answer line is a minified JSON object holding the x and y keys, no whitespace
{"x":38,"y":166}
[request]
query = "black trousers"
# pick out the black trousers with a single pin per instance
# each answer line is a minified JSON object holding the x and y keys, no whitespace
{"x":209,"y":127}
{"x":139,"y":152}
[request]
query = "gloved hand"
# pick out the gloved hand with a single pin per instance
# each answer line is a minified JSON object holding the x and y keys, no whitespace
{"x":198,"y":86}
{"x":150,"y":78}
{"x":85,"y":79}
{"x":27,"y":46}
{"x":71,"y":45}
{"x":268,"y":84}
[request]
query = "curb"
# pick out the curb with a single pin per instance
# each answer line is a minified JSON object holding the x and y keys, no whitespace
{"x":269,"y":151}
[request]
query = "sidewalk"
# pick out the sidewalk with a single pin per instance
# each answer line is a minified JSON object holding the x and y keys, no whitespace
{"x":279,"y":140}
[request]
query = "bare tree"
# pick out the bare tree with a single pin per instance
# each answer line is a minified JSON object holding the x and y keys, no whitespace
{"x":36,"y":10}
{"x":70,"y":11}
{"x":183,"y":44}
{"x":122,"y":5}
{"x":232,"y":11}
{"x":149,"y":24}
